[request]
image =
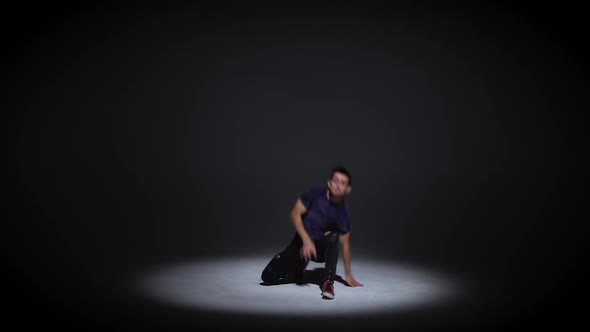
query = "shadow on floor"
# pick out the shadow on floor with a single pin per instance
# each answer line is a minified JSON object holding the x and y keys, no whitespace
{"x":315,"y":276}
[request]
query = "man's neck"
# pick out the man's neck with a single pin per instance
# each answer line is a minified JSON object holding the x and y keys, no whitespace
{"x":332,"y":198}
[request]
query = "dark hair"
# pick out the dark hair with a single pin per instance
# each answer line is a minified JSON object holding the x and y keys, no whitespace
{"x":341,"y":169}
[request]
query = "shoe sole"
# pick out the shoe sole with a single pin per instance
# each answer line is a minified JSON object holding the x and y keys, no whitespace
{"x":328,"y":296}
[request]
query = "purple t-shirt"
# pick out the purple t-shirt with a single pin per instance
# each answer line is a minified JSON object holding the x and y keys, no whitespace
{"x":323,"y":215}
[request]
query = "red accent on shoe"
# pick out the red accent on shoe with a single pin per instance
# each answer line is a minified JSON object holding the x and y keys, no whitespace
{"x":328,"y":289}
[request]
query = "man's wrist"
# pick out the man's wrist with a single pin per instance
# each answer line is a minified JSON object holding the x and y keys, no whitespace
{"x":307,"y":240}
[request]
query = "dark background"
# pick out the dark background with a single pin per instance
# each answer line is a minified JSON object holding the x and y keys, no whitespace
{"x":154,"y":134}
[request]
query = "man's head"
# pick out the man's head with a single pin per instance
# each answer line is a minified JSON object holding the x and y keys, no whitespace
{"x":340,"y":181}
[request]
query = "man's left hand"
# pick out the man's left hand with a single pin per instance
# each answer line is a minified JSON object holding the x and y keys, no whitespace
{"x":353,"y":283}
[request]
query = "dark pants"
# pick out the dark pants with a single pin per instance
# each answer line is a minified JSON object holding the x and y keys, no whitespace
{"x":288,"y":263}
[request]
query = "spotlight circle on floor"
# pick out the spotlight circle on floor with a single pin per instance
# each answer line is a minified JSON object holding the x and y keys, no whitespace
{"x":234,"y":285}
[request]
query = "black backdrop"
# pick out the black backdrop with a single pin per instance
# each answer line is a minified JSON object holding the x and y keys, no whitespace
{"x":149,"y":135}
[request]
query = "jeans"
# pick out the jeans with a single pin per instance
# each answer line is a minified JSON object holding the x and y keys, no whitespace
{"x":286,"y":263}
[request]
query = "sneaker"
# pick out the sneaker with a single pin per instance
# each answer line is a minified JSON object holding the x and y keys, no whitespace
{"x":328,"y":289}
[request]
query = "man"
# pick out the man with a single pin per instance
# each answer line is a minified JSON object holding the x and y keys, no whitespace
{"x":321,"y":221}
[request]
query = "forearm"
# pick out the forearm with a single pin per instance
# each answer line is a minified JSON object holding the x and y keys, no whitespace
{"x":346,"y":258}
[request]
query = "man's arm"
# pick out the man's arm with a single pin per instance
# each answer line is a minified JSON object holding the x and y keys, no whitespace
{"x":308,"y":248}
{"x":345,"y":245}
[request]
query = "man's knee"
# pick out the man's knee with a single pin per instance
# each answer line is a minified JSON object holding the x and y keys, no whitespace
{"x":331,"y":237}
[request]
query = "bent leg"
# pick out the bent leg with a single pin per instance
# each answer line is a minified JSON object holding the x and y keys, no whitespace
{"x":329,"y":254}
{"x":330,"y":244}
{"x":282,"y":266}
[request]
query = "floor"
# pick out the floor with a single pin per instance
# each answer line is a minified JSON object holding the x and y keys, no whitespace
{"x":227,"y":293}
{"x":234,"y":285}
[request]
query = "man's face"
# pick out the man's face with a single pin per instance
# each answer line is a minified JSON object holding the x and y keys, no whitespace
{"x":339,"y":185}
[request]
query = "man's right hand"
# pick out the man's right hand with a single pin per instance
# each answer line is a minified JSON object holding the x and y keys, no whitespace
{"x":308,"y":251}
